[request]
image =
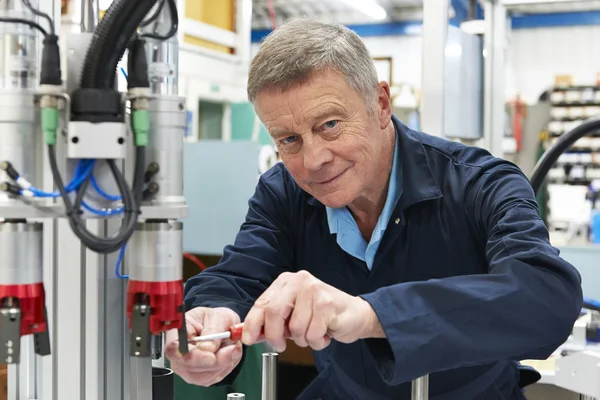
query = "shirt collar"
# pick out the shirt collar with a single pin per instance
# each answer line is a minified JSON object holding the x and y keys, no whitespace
{"x":418,"y":183}
{"x":336,"y":215}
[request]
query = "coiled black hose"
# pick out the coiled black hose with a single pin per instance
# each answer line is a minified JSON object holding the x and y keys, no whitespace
{"x":564,"y":143}
{"x":550,"y":156}
{"x":110,"y":40}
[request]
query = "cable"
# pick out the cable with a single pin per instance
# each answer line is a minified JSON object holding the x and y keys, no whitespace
{"x":93,"y":242}
{"x":119,"y":262}
{"x":174,"y":24}
{"x":102,"y":192}
{"x":110,"y":40}
{"x":195,"y":260}
{"x":40,"y":14}
{"x":154,"y":16}
{"x":82,"y":171}
{"x":31,"y":24}
{"x":564,"y":143}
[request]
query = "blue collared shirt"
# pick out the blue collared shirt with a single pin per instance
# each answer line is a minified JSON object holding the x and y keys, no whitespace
{"x":343,"y":224}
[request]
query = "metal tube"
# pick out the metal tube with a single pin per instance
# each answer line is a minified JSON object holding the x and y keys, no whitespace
{"x":163,"y":55}
{"x":420,"y":388}
{"x":90,"y":15}
{"x":236,"y":396}
{"x":269,"y":376}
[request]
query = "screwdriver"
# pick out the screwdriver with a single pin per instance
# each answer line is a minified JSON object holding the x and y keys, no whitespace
{"x":234,"y":334}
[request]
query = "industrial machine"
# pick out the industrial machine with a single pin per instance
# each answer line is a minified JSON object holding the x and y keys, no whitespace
{"x":89,"y":173}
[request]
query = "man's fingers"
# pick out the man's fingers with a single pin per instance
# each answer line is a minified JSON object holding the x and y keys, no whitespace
{"x":277,"y":312}
{"x":194,"y":358}
{"x":316,"y":334}
{"x":300,"y":320}
{"x":227,"y":358}
{"x":255,"y":320}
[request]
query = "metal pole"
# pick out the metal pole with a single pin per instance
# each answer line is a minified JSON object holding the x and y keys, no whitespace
{"x":269,"y":376}
{"x":420,"y":388}
{"x":433,"y":43}
{"x":495,"y":49}
{"x":90,"y":15}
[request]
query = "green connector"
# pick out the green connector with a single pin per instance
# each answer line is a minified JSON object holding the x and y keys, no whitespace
{"x":140,"y":122}
{"x":50,"y":121}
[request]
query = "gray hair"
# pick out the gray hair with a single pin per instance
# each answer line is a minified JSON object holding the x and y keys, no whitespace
{"x":295,"y":50}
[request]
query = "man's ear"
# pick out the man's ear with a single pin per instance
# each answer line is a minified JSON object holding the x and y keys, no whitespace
{"x":384,"y":101}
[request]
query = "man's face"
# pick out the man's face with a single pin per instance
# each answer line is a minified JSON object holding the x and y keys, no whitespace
{"x":326,"y":137}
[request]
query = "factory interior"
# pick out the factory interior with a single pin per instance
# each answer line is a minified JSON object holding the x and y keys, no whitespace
{"x":519,"y":78}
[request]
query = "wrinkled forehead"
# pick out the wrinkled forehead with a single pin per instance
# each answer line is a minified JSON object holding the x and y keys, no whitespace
{"x":305,"y":101}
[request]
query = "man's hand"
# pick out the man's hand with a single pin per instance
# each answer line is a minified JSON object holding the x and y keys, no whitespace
{"x":312,"y":311}
{"x":207,"y":362}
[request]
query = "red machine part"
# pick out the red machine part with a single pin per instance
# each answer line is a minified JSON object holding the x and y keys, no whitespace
{"x":32,"y":304}
{"x":165,"y":300}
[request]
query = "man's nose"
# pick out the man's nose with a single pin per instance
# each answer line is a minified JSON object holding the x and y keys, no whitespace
{"x":316,"y":153}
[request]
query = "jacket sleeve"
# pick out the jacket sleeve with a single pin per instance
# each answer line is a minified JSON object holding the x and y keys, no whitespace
{"x":262,"y":250}
{"x":524,"y":308}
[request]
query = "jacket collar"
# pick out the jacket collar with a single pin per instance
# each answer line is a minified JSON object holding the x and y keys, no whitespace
{"x":418,"y":183}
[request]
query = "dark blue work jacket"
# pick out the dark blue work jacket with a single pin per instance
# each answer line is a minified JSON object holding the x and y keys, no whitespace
{"x":465,"y":282}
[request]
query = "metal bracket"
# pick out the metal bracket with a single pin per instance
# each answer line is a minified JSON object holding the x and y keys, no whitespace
{"x":10,"y":335}
{"x":41,"y":340}
{"x":182,"y":332}
{"x":41,"y":343}
{"x":140,"y":339}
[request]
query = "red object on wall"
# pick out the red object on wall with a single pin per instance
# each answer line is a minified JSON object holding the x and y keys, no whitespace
{"x":518,"y":118}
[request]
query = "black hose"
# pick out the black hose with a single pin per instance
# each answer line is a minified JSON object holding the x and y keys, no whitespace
{"x":38,"y":13}
{"x":564,"y":143}
{"x":31,"y":24}
{"x":110,"y":41}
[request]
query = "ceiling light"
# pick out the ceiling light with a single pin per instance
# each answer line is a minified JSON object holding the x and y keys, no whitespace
{"x":367,"y":7}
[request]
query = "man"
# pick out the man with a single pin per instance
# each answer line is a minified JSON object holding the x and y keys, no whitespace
{"x":391,"y":253}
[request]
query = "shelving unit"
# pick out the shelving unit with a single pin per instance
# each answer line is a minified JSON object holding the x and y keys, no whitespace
{"x":570,"y":177}
{"x":571,"y":105}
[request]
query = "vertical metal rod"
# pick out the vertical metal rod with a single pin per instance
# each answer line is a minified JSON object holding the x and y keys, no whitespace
{"x":90,"y":15}
{"x":269,"y":376}
{"x":420,"y":388}
{"x":433,"y":43}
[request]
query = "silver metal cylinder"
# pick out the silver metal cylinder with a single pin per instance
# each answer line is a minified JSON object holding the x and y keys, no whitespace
{"x":163,"y":56}
{"x":155,"y":252}
{"x":165,"y":148}
{"x":269,"y":376}
{"x":236,"y":396}
{"x":420,"y":388}
{"x":18,"y":47}
{"x":19,"y":142}
{"x":90,"y":15}
{"x":21,"y":246}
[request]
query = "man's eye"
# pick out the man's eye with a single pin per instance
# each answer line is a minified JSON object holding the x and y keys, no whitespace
{"x":289,"y":139}
{"x":330,"y":124}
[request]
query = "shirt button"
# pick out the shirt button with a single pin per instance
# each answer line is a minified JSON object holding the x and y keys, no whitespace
{"x":397,"y":221}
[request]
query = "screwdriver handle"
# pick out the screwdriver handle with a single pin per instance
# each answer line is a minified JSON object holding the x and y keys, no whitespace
{"x":237,"y":329}
{"x":236,"y":332}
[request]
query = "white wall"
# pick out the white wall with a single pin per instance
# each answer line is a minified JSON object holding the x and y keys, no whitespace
{"x":537,"y":55}
{"x":534,"y":57}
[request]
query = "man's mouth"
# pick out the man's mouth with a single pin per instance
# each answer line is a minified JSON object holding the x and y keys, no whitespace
{"x":325,"y":182}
